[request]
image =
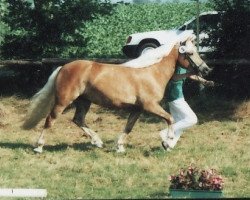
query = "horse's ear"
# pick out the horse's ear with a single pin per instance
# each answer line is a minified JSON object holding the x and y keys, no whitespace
{"x":183,"y":43}
{"x":182,"y":49}
{"x":192,"y":38}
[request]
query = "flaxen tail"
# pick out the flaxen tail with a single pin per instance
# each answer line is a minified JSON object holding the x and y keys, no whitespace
{"x":41,"y":103}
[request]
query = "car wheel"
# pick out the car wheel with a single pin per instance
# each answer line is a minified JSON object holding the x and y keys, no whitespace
{"x":146,"y":47}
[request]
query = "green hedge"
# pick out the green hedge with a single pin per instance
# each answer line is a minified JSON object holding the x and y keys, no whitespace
{"x":107,"y":34}
{"x":101,"y":35}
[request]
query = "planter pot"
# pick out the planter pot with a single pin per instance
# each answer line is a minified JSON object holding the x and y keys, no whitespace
{"x":178,"y":193}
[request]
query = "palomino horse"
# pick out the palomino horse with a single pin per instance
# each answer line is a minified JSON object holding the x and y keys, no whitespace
{"x":137,"y":85}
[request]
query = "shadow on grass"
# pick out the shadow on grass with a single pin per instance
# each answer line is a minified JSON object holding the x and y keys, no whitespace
{"x":51,"y":148}
{"x":83,"y":146}
{"x":16,"y":145}
{"x":157,"y":152}
{"x":64,"y":146}
{"x":221,"y":109}
{"x":160,"y":195}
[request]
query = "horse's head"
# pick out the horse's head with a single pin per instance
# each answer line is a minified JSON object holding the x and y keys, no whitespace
{"x":189,"y":58}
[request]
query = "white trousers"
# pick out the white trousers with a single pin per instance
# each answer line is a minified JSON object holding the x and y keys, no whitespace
{"x":183,"y":115}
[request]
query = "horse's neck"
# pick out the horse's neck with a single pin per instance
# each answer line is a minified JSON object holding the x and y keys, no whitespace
{"x":168,"y":64}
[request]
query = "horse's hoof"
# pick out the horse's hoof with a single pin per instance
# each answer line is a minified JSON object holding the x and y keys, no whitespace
{"x":172,"y":142}
{"x":164,"y":134}
{"x":171,"y":134}
{"x":38,"y":150}
{"x":166,"y":146}
{"x":98,"y":144}
{"x":120,"y":149}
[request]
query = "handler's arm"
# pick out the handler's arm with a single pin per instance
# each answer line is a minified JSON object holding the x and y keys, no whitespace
{"x":194,"y":77}
{"x":201,"y":80}
{"x":177,"y":77}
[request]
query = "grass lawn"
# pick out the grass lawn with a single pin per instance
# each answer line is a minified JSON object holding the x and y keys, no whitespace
{"x":70,"y":167}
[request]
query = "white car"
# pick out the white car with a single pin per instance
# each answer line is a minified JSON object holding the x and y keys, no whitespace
{"x":139,"y":43}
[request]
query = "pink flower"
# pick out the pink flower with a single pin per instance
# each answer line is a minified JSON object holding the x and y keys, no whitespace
{"x":192,"y":178}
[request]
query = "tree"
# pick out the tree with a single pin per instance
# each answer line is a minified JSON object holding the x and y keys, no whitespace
{"x":141,"y":1}
{"x":233,"y":32}
{"x":231,"y":39}
{"x":48,"y":27}
{"x":3,"y":26}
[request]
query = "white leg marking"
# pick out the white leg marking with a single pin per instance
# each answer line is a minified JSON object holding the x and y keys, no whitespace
{"x":39,"y":149}
{"x":170,"y":132}
{"x":164,"y":134}
{"x":95,"y":140}
{"x":120,"y":143}
{"x":40,"y":143}
{"x":168,"y":138}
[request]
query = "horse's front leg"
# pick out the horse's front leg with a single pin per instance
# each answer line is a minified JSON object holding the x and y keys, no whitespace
{"x":82,"y":107}
{"x":95,"y":139}
{"x":165,"y":134}
{"x":128,"y":128}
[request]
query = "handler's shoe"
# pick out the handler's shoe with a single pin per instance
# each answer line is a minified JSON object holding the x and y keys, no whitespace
{"x":169,"y":144}
{"x":164,"y":134}
{"x":172,"y":142}
{"x":166,"y":146}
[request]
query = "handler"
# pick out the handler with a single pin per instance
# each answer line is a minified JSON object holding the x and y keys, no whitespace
{"x":183,"y":115}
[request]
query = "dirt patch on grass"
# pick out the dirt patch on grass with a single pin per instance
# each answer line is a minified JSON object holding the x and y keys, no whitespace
{"x":4,"y":112}
{"x":243,"y":110}
{"x":12,"y":110}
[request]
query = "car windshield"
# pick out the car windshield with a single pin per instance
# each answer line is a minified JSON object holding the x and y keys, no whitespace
{"x":207,"y":22}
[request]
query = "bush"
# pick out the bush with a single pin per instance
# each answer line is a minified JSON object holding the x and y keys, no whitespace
{"x":47,"y":28}
{"x":234,"y":30}
{"x":3,"y":26}
{"x":233,"y":43}
{"x":107,"y":34}
{"x":83,"y":28}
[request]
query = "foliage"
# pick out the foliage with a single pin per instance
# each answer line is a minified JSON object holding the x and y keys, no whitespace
{"x":107,"y":34}
{"x":233,"y":32}
{"x":67,"y":29}
{"x":231,"y":40}
{"x":194,"y":179}
{"x":141,"y":1}
{"x":47,"y":27}
{"x":3,"y":26}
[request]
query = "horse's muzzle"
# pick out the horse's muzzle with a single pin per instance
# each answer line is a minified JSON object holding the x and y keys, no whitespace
{"x":204,"y":69}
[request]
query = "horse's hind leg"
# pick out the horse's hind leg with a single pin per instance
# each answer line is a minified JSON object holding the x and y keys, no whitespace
{"x":128,"y":128}
{"x":57,"y":109}
{"x":82,"y":107}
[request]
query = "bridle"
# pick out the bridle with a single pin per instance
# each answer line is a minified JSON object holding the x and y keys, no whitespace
{"x":187,"y":55}
{"x":182,"y":51}
{"x":195,"y":67}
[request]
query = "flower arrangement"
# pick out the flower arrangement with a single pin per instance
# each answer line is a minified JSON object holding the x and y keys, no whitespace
{"x":194,"y":179}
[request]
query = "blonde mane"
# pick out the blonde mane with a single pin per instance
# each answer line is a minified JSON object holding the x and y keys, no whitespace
{"x":155,"y":55}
